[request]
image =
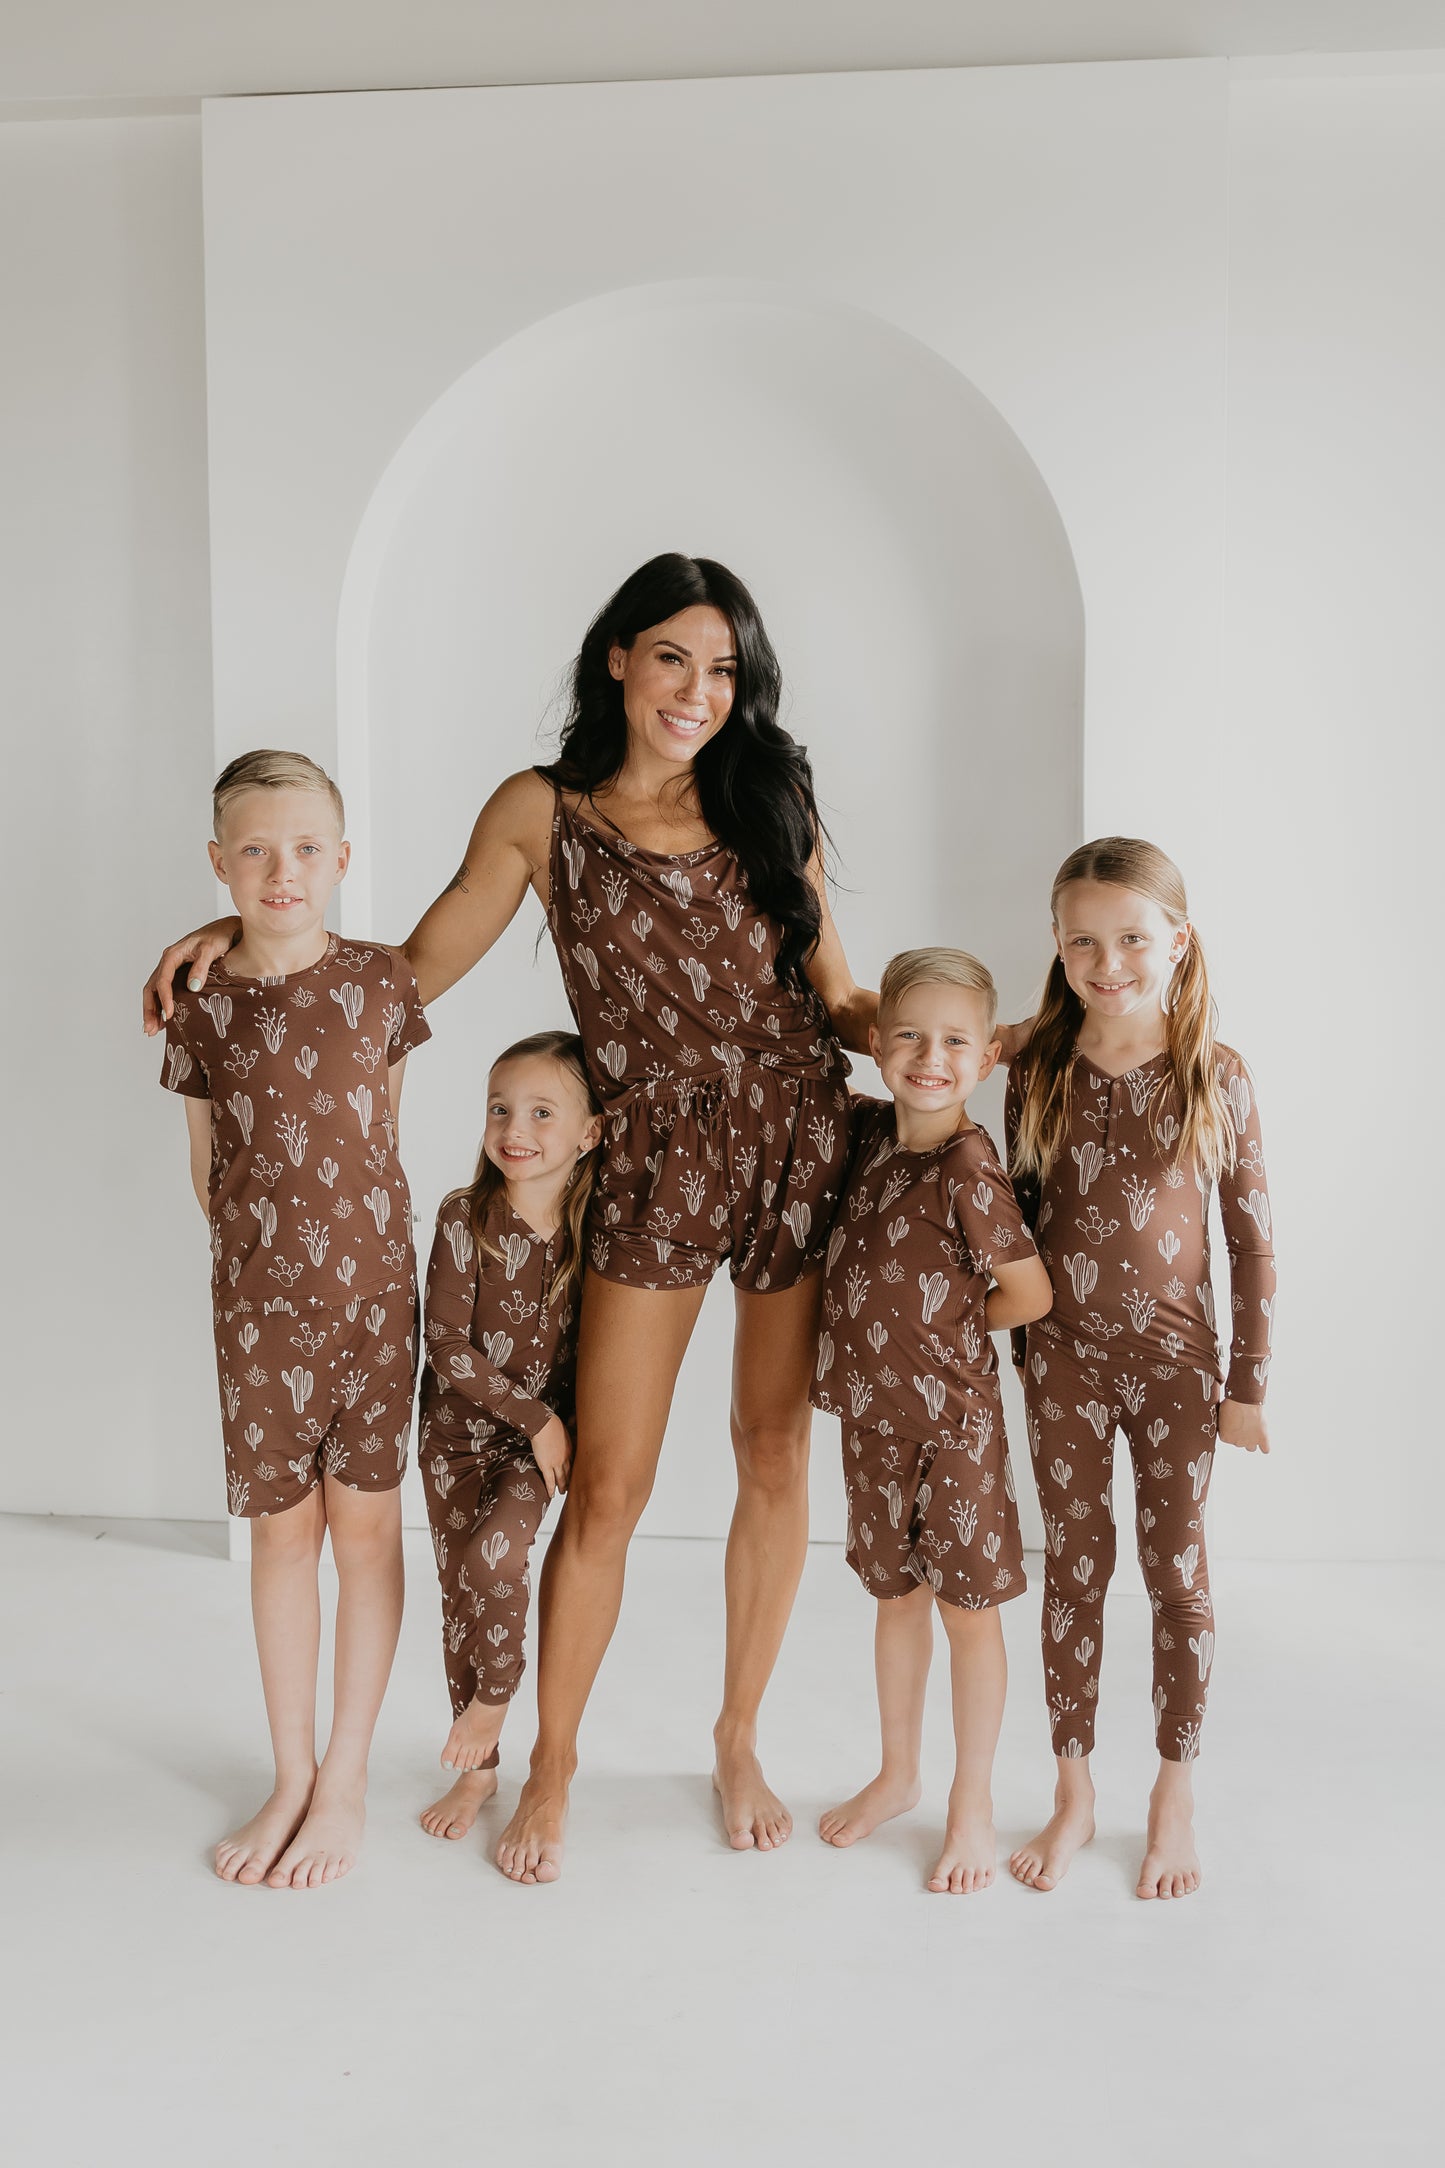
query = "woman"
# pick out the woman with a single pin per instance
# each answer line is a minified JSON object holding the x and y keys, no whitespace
{"x":675,"y":846}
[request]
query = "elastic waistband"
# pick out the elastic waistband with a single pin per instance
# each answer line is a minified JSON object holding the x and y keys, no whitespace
{"x":708,"y":1094}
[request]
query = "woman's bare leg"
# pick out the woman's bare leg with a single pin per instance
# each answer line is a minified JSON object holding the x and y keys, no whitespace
{"x":774,"y":1348}
{"x":630,"y":1347}
{"x":366,"y":1545}
{"x":286,"y":1608}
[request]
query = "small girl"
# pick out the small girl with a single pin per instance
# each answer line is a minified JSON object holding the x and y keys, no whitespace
{"x":1123,"y":1113}
{"x":502,"y":1299}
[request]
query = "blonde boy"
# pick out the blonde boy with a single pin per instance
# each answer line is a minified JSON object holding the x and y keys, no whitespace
{"x":290,"y":1067}
{"x":928,"y":1257}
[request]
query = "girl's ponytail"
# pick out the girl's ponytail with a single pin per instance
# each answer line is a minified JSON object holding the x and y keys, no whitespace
{"x":1047,"y":1064}
{"x":1206,"y":1134}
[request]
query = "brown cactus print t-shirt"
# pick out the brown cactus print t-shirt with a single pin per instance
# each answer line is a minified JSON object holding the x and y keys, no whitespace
{"x":307,"y":1196}
{"x":909,"y":1263}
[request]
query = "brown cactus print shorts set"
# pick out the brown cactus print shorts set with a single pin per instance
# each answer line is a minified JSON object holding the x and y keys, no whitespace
{"x":722,"y":1087}
{"x":500,"y":1362}
{"x":313,"y":1276}
{"x":1131,"y":1344}
{"x":904,"y":1359}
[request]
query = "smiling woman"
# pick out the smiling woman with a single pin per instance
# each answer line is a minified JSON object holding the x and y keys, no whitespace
{"x":675,"y":846}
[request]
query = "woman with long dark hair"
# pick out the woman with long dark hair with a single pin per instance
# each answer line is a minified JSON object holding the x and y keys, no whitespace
{"x":675,"y":846}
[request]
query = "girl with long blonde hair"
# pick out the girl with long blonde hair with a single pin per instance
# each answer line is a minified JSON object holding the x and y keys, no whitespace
{"x":497,"y":1398}
{"x":1124,"y":1115}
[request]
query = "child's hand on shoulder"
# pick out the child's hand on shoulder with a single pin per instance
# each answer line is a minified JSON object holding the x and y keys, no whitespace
{"x":552,"y":1451}
{"x":1243,"y":1425}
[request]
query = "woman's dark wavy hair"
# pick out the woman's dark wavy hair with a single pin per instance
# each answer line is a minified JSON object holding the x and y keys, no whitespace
{"x":754,"y":783}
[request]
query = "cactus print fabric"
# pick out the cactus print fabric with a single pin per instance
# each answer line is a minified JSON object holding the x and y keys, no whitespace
{"x":307,"y":1392}
{"x":722,"y":1087}
{"x":904,"y":1359}
{"x":500,"y":1362}
{"x":307,"y":1196}
{"x":1124,"y":1228}
{"x":1074,"y":1408}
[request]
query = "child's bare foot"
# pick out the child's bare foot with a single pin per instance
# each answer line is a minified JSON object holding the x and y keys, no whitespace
{"x":878,"y":1802}
{"x":1044,"y":1862}
{"x":324,"y":1848}
{"x":1171,"y":1865}
{"x":474,"y":1735}
{"x":250,"y":1852}
{"x":454,"y":1813}
{"x":966,"y":1862}
{"x":530,"y":1848}
{"x":753,"y":1815}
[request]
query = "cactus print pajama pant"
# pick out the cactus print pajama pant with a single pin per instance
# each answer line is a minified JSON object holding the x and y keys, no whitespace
{"x":1074,"y":1408}
{"x":485,"y":1505}
{"x":940,"y":1516}
{"x":312,"y":1391}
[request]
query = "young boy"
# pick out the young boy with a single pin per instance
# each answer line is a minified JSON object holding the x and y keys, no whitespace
{"x":928,"y":1257}
{"x":291,"y":1067}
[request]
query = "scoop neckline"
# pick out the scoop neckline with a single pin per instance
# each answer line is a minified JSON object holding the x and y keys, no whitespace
{"x":282,"y":978}
{"x":1117,"y":1076}
{"x":612,"y":833}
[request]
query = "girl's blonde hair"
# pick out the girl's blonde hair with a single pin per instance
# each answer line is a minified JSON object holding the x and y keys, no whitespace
{"x":1206,"y":1133}
{"x":269,"y":769}
{"x":566,"y":1049}
{"x":935,"y":967}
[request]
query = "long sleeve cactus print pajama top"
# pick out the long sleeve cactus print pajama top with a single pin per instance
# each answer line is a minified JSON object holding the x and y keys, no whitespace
{"x":722,"y":1086}
{"x":500,"y":1362}
{"x":905,"y":1360}
{"x":314,"y":1280}
{"x":1131,"y":1344}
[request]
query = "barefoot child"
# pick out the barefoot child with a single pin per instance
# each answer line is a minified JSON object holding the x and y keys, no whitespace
{"x":290,"y":1068}
{"x":502,"y":1299}
{"x":929,"y":1256}
{"x":1123,"y":1113}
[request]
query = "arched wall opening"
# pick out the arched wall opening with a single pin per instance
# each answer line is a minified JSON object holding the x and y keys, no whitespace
{"x":916,"y":580}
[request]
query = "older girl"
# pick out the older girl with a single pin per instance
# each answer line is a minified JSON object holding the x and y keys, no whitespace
{"x":1123,"y":1114}
{"x":676,"y":848}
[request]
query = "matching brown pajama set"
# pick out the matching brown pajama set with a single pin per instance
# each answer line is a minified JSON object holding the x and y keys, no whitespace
{"x":722,"y":1086}
{"x":313,"y":1279}
{"x":500,"y":1362}
{"x":1131,"y":1344}
{"x":905,"y":1360}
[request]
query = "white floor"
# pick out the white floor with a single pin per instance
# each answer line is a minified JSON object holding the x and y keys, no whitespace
{"x":669,"y":2002}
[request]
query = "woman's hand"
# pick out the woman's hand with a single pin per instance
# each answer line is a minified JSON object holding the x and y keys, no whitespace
{"x":552,"y":1451}
{"x":1241,"y":1423}
{"x":200,"y":950}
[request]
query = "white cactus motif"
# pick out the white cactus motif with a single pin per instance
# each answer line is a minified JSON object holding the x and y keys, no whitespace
{"x":497,"y":1347}
{"x":1053,"y":1535}
{"x":1089,"y":1159}
{"x":1131,"y":1391}
{"x":378,"y":1204}
{"x":361,"y":1103}
{"x":328,"y":1171}
{"x":1096,"y":1415}
{"x":964,"y":1515}
{"x":515,"y":1252}
{"x":877,"y":1335}
{"x":798,"y":1219}
{"x":1061,"y":1472}
{"x":697,"y":974}
{"x":892,"y":1497}
{"x":588,"y":959}
{"x":933,"y":1392}
{"x":351,"y":1000}
{"x":992,"y":1545}
{"x":860,"y":1394}
{"x":897,"y":1231}
{"x":273,"y":1028}
{"x":733,"y":907}
{"x":1106,"y":1498}
{"x":837,"y":1242}
{"x":1198,"y":1473}
{"x":1139,"y":1196}
{"x":291,"y":1129}
{"x":1187,"y":1561}
{"x":1084,"y":1650}
{"x":1139,"y":1089}
{"x":1141,"y":1309}
{"x":178,"y":1067}
{"x":1083,"y":1274}
{"x":1084,"y":1572}
{"x":1203,"y":1648}
{"x":459,"y":1240}
{"x":934,"y":1288}
{"x":680,"y":885}
{"x":825,"y":1355}
{"x":248,"y":1336}
{"x":1157,"y":1432}
{"x":316,"y":1240}
{"x":299,"y":1384}
{"x":238,"y":1496}
{"x":1238,"y":1096}
{"x":983,"y":1196}
{"x":1061,"y":1618}
{"x":264,"y":1212}
{"x":1256,"y":1204}
{"x":219,"y":1009}
{"x":346,"y":1271}
{"x":613,"y":1057}
{"x":1169,"y":1245}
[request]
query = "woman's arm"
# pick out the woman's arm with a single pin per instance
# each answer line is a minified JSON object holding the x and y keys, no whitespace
{"x":851,"y":1008}
{"x":506,"y":854}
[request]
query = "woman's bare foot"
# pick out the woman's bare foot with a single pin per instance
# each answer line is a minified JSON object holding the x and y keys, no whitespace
{"x":879,"y":1801}
{"x":472,"y":1739}
{"x":454,"y":1813}
{"x":1171,"y":1865}
{"x":753,"y":1815}
{"x":530,"y":1847}
{"x":1046,"y":1859}
{"x":966,"y":1862}
{"x":324,"y":1848}
{"x":250,"y":1852}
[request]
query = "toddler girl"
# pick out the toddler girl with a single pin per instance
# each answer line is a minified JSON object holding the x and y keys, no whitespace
{"x":496,"y":1399}
{"x":1123,"y":1114}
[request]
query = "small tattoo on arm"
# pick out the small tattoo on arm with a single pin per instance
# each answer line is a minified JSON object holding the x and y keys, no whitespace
{"x":458,"y":880}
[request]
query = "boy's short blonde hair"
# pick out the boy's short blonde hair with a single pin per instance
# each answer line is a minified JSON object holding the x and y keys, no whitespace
{"x":936,"y":967}
{"x":268,"y":769}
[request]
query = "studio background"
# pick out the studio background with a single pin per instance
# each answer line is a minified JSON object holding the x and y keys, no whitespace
{"x":1078,"y":430}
